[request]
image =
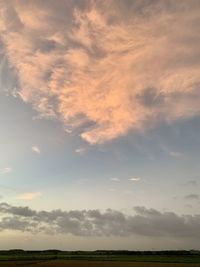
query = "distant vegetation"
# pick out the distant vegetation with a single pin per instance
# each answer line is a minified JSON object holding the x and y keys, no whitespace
{"x":167,"y":256}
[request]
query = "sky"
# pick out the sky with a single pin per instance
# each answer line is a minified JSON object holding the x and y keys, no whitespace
{"x":100,"y":123}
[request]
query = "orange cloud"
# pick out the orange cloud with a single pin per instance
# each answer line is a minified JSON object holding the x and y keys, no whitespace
{"x":29,"y":195}
{"x":108,"y":65}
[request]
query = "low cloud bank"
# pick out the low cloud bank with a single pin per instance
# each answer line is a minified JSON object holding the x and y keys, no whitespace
{"x":143,"y":222}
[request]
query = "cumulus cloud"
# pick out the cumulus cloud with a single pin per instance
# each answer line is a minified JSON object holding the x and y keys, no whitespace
{"x":105,"y":67}
{"x":143,"y":222}
{"x":29,"y":195}
{"x":36,"y":149}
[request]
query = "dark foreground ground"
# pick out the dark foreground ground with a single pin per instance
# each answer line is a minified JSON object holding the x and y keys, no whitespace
{"x":56,"y":258}
{"x":83,"y":263}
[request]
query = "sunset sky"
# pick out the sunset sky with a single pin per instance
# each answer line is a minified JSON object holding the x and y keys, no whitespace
{"x":100,"y":124}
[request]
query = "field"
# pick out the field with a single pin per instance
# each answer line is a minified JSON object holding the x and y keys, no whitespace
{"x":56,"y":258}
{"x":69,"y":263}
{"x":34,"y":257}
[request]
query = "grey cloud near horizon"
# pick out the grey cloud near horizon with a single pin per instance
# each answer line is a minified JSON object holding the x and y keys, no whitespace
{"x":192,"y":197}
{"x":191,"y":183}
{"x":143,"y":222}
{"x":103,"y":68}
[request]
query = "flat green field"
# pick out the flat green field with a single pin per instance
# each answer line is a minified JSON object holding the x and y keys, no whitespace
{"x":103,"y":258}
{"x":55,"y":258}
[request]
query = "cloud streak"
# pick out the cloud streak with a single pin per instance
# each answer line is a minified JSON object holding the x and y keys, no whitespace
{"x":115,"y":179}
{"x":144,"y":222}
{"x":192,"y":197}
{"x":135,"y":179}
{"x":36,"y":149}
{"x":104,"y":68}
{"x":5,"y":170}
{"x":29,"y":195}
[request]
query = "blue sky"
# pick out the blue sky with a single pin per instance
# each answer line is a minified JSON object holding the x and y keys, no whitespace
{"x":100,"y":123}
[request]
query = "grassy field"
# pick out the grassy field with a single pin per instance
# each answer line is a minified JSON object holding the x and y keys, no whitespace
{"x":103,"y":258}
{"x":55,"y":258}
{"x":69,"y":263}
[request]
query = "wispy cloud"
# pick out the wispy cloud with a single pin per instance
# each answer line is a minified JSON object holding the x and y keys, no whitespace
{"x":128,"y":192}
{"x":80,"y":150}
{"x":115,"y":179}
{"x":192,"y":197}
{"x":191,"y":183}
{"x":5,"y":170}
{"x":175,"y":154}
{"x":171,"y":152}
{"x":119,"y":66}
{"x":135,"y":179}
{"x":36,"y":149}
{"x":29,"y":195}
{"x":112,"y":189}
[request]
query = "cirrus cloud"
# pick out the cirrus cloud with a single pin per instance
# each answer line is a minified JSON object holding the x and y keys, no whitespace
{"x":105,"y":67}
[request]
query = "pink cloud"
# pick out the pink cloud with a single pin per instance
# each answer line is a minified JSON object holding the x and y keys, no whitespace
{"x":117,"y":72}
{"x":36,"y":149}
